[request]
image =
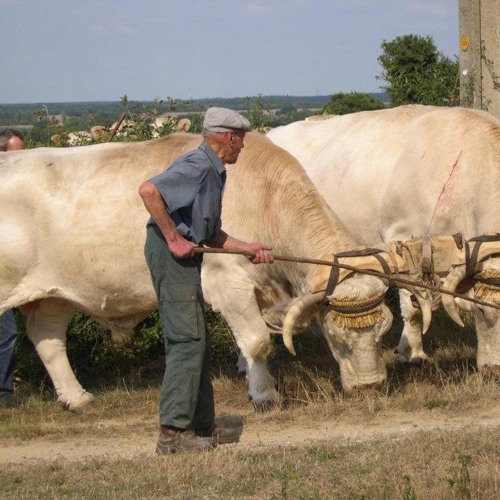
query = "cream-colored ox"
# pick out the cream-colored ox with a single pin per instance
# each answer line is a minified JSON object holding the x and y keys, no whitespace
{"x":411,"y":171}
{"x":72,"y":233}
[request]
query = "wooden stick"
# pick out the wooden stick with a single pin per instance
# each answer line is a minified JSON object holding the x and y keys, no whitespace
{"x":117,"y":126}
{"x":305,"y":260}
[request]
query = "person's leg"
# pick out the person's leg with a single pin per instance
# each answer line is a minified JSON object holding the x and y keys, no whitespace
{"x":8,"y":334}
{"x":204,"y":415}
{"x":187,"y":394}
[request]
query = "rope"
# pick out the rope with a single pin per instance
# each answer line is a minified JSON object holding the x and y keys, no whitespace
{"x":376,"y":274}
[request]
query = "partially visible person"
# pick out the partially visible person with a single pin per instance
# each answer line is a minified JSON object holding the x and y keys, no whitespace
{"x":185,"y":206}
{"x":10,"y":140}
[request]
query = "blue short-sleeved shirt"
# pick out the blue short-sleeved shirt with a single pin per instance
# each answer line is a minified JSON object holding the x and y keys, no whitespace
{"x":192,"y":189}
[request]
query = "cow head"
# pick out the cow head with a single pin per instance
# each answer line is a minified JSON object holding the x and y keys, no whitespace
{"x":353,"y":316}
{"x":354,"y":322}
{"x":353,"y":319}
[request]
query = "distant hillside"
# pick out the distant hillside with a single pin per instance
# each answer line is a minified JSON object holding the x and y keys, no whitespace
{"x":109,"y":111}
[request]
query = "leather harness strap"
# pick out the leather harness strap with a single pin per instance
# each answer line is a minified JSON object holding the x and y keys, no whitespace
{"x":471,"y":257}
{"x":335,"y":273}
{"x":427,"y":261}
{"x":333,"y":280}
{"x":356,"y":309}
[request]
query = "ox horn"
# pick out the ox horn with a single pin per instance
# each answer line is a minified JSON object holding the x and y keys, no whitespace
{"x":425,"y":303}
{"x":450,"y":283}
{"x":297,"y":307}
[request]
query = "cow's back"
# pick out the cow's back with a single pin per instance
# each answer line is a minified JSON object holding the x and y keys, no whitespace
{"x":402,"y":172}
{"x":446,"y":178}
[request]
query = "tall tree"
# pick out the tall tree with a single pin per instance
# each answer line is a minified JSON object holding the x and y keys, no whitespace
{"x":417,"y":73}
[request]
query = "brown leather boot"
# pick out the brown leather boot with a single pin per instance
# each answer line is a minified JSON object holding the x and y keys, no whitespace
{"x":220,"y":435}
{"x":173,"y":440}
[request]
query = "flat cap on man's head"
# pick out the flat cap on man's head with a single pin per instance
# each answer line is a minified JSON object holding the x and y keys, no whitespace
{"x":224,"y":120}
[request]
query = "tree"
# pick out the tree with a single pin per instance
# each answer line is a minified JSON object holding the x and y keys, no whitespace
{"x":258,"y":116}
{"x":342,"y":104}
{"x":417,"y":73}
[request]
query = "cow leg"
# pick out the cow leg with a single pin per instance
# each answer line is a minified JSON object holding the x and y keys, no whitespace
{"x":47,"y":323}
{"x":241,"y":365}
{"x":254,"y":341}
{"x":488,"y":340}
{"x":254,"y":350}
{"x":410,"y":349}
{"x":236,"y":301}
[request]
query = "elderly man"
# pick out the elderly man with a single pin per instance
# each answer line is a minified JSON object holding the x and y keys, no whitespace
{"x":10,"y":140}
{"x":185,"y":206}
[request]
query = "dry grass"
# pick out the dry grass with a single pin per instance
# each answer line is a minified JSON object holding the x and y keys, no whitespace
{"x":426,"y":465}
{"x":462,"y":463}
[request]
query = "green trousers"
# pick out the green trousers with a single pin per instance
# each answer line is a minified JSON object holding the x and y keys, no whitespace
{"x":186,"y":399}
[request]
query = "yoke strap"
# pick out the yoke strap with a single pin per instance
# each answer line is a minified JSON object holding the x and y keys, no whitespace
{"x":471,"y":257}
{"x":333,"y":280}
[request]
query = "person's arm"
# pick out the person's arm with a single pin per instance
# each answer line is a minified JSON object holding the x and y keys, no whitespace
{"x":224,"y":240}
{"x":155,"y":205}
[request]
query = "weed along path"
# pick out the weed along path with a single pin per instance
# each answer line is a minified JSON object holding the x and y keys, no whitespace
{"x":130,"y":437}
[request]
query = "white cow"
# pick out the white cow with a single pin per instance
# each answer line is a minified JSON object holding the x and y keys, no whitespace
{"x":410,"y":171}
{"x":72,"y":233}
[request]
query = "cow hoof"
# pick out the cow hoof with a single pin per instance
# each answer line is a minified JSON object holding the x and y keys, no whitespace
{"x":491,"y":372}
{"x":85,"y":410}
{"x":368,"y":389}
{"x":265,"y":406}
{"x":413,"y":361}
{"x":84,"y":406}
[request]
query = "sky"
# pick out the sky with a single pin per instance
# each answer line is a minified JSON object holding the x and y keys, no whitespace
{"x":101,"y":50}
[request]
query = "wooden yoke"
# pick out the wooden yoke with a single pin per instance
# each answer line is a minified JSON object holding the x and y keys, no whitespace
{"x":446,"y":253}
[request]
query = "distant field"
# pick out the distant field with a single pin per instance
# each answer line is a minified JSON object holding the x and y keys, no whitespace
{"x":23,"y":113}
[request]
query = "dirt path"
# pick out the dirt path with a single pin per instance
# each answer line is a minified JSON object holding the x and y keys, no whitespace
{"x":254,"y":435}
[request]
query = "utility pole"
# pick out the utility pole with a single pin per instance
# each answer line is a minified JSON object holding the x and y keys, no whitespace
{"x":479,"y":33}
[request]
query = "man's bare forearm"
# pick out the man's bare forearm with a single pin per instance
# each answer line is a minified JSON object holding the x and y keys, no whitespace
{"x":155,"y":205}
